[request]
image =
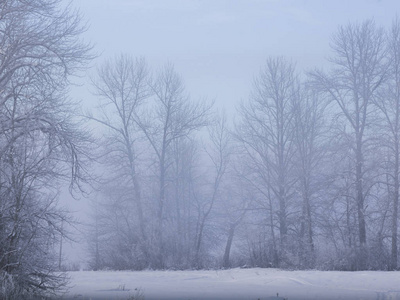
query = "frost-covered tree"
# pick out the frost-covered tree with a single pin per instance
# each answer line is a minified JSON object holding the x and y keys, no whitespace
{"x":172,"y":116}
{"x":388,"y":103}
{"x":149,"y":150}
{"x":358,"y":71}
{"x":267,"y":135}
{"x":40,"y":143}
{"x":122,"y":87}
{"x":219,"y":153}
{"x":309,"y":154}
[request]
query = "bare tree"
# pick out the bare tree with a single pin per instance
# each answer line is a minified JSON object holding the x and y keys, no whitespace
{"x":183,"y":183}
{"x":388,"y":103}
{"x":237,"y":197}
{"x":219,"y":153}
{"x":359,"y":71}
{"x":122,"y":88}
{"x":172,"y":116}
{"x":40,"y":143}
{"x":267,"y":134}
{"x":308,"y":130}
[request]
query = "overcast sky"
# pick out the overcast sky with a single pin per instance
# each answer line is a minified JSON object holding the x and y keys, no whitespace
{"x":218,"y":46}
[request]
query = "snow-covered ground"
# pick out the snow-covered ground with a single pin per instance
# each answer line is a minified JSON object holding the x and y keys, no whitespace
{"x":232,"y":284}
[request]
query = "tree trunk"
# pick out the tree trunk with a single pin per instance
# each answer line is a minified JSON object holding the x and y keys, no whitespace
{"x":360,"y":208}
{"x":395,"y":209}
{"x":159,"y":225}
{"x":226,"y":263}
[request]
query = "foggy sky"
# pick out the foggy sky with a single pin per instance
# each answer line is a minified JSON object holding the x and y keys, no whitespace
{"x":219,"y":45}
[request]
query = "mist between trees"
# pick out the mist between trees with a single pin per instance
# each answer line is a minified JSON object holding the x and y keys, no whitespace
{"x":307,"y":177}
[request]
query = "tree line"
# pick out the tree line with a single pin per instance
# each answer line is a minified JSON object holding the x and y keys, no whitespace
{"x":307,"y":177}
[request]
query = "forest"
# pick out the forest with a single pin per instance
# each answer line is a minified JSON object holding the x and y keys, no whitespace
{"x":305,"y":177}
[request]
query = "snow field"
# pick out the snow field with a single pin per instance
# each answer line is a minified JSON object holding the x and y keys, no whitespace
{"x":254,"y":284}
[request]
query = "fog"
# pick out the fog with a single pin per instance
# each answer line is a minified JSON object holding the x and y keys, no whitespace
{"x":192,"y":135}
{"x":218,"y":47}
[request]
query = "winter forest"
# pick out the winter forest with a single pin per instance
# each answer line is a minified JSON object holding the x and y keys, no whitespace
{"x":305,"y":176}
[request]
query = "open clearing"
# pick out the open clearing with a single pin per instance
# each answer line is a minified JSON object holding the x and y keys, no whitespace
{"x":255,"y":283}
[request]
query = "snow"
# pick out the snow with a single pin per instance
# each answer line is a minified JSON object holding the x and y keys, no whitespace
{"x":255,"y":283}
